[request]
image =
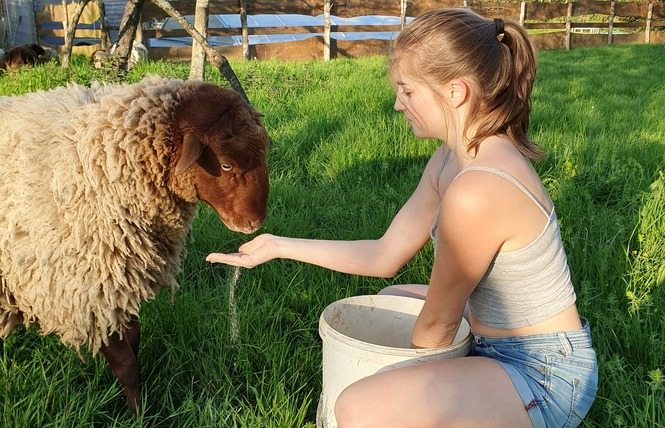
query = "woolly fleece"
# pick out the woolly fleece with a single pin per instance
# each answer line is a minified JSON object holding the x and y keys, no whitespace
{"x":88,"y":227}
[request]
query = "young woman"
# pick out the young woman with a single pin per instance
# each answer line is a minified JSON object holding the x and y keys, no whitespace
{"x":467,"y":81}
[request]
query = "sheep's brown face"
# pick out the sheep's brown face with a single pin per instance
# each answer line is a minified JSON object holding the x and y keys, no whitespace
{"x":224,"y":149}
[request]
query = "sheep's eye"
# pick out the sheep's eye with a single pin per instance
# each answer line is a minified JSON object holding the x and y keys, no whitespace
{"x":226,"y":167}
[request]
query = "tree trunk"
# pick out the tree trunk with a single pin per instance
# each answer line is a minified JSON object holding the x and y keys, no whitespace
{"x":71,"y":30}
{"x":215,"y":58}
{"x":65,"y":14}
{"x":127,"y":32}
{"x":197,"y":65}
{"x":106,"y":39}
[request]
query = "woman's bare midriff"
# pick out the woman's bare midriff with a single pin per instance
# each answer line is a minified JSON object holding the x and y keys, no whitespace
{"x":567,"y":320}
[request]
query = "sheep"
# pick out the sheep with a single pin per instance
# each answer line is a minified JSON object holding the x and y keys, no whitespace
{"x":98,"y":190}
{"x":22,"y":55}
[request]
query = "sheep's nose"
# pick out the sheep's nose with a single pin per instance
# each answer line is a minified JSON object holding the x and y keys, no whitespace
{"x":255,"y":224}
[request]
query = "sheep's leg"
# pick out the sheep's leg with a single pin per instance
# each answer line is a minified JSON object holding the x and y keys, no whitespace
{"x":123,"y":363}
{"x":133,"y":335}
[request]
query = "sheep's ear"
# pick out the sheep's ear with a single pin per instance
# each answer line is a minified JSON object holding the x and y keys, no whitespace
{"x":191,"y":151}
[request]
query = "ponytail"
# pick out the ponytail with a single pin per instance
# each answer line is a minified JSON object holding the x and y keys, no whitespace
{"x":494,"y":56}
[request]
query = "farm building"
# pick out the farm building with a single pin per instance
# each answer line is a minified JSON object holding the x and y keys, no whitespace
{"x":41,"y":21}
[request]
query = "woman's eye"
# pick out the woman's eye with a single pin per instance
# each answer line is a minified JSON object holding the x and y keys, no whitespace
{"x":226,"y":167}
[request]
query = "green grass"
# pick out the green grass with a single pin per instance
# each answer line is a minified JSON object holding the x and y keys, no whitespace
{"x":342,"y":164}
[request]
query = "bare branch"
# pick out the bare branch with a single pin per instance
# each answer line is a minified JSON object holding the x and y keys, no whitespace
{"x":215,"y":58}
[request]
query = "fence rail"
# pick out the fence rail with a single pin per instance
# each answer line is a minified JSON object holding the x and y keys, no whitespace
{"x":552,"y":25}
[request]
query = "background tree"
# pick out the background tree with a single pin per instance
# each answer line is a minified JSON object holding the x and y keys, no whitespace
{"x":70,"y":29}
{"x":127,"y":33}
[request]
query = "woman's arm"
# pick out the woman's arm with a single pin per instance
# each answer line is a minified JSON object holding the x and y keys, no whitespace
{"x":471,"y":230}
{"x":362,"y":257}
{"x":383,"y":257}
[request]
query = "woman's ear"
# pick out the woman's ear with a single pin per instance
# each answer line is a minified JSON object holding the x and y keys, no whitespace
{"x":457,"y":91}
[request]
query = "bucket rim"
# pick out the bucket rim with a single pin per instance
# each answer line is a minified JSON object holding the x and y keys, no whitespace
{"x":326,"y":330}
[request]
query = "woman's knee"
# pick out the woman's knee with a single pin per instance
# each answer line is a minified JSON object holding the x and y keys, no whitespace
{"x":346,"y":408}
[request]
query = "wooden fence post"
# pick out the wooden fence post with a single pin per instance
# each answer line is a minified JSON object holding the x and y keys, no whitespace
{"x":647,"y":30}
{"x":244,"y":29}
{"x":326,"y":30}
{"x":610,"y":20}
{"x":197,"y":64}
{"x":402,"y":13}
{"x":522,"y":13}
{"x":569,"y":14}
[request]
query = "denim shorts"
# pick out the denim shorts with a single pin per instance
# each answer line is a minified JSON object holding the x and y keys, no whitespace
{"x":555,"y":374}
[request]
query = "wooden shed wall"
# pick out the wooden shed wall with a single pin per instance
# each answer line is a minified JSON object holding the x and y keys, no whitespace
{"x":114,"y":8}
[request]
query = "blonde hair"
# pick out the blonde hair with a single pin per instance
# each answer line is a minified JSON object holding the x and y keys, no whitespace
{"x":495,"y":58}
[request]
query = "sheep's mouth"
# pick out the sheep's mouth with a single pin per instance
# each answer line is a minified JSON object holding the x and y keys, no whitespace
{"x":245,"y":226}
{"x":246,"y":230}
{"x":243,"y":219}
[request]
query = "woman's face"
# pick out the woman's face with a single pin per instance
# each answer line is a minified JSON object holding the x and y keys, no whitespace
{"x":420,"y":106}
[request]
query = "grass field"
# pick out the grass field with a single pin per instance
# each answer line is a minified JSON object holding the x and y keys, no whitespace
{"x":342,"y":164}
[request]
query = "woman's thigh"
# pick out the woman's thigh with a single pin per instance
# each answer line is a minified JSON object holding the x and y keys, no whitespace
{"x":456,"y":392}
{"x":418,"y":291}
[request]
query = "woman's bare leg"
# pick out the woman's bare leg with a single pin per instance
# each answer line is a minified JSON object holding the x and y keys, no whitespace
{"x":456,"y":392}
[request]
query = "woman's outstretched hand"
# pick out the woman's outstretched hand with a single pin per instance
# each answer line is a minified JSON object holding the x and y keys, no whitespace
{"x":259,"y":250}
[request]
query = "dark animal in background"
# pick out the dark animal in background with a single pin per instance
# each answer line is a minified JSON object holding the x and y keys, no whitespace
{"x":22,"y":55}
{"x":99,"y":188}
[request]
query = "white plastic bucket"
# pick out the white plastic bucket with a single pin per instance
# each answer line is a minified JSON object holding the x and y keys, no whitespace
{"x":363,"y":335}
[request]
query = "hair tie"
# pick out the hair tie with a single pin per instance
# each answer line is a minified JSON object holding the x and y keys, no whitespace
{"x":498,"y":27}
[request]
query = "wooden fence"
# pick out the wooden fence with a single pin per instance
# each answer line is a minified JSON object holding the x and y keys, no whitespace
{"x":564,"y":25}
